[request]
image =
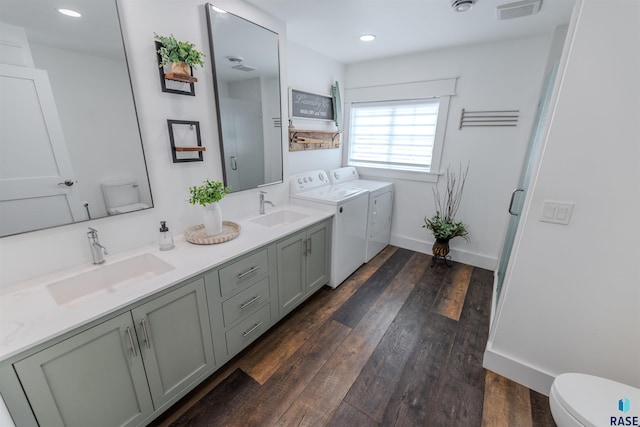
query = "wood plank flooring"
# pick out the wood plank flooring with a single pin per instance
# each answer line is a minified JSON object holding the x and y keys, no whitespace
{"x":400,"y":343}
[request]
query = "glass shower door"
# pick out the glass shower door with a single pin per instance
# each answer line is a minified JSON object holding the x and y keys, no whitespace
{"x":518,"y":195}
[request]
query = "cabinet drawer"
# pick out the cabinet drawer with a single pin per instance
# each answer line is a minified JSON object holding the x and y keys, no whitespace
{"x":248,"y":330}
{"x":246,"y":302}
{"x":243,"y":272}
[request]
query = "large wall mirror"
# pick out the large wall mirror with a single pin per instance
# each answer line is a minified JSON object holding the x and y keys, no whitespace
{"x":247,"y":85}
{"x":70,"y":146}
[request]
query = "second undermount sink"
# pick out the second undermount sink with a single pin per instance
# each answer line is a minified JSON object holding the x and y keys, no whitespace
{"x":107,"y":278}
{"x":281,"y":217}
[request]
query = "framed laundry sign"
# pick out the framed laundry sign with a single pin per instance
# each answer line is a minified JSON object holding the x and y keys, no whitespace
{"x":308,"y":105}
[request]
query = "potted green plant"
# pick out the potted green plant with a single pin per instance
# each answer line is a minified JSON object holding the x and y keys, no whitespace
{"x":181,"y":55}
{"x":443,"y":224}
{"x":208,"y":195}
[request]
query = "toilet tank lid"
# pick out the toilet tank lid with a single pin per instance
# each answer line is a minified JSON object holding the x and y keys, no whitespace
{"x":594,"y":400}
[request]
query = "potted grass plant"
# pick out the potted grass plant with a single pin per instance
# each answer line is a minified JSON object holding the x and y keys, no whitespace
{"x":443,"y":225}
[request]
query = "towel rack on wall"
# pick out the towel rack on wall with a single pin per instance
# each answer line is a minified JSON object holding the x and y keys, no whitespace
{"x":489,"y":118}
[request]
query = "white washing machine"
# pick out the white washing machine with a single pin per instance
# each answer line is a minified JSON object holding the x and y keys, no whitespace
{"x":379,"y":211}
{"x":349,"y":205}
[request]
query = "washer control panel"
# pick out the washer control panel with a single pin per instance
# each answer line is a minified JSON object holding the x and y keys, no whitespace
{"x":308,"y":180}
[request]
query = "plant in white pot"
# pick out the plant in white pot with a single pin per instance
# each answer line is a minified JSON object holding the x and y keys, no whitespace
{"x":181,"y":55}
{"x":209,"y":195}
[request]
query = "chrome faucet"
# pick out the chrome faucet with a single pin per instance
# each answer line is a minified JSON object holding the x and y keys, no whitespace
{"x":263,"y":201}
{"x":97,"y":250}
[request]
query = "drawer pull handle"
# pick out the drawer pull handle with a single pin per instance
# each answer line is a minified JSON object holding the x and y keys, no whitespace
{"x":309,"y":240}
{"x":251,"y":301}
{"x":249,"y":271}
{"x":256,"y":326}
{"x":133,"y":346}
{"x":143,"y":322}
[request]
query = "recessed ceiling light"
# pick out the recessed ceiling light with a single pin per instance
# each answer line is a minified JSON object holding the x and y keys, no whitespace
{"x":367,"y":37}
{"x":69,"y":12}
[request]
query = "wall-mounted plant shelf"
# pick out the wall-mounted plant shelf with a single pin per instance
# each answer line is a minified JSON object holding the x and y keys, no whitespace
{"x":180,"y":77}
{"x":180,"y":84}
{"x":185,"y":139}
{"x":185,"y":149}
{"x":301,"y":140}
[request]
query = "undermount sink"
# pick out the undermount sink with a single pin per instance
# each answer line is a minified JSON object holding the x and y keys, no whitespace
{"x":281,"y":217}
{"x":107,"y":278}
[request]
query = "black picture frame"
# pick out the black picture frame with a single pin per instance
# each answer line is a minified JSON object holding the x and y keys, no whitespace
{"x":176,"y":149}
{"x":174,"y":86}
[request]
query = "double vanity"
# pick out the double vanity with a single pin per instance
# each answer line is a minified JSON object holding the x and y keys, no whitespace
{"x":119,"y":343}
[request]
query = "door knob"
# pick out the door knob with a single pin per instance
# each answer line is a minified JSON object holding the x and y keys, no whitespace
{"x":67,"y":182}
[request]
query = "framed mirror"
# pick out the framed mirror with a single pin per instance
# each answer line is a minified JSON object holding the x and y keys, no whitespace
{"x":246,"y":76}
{"x":70,"y":145}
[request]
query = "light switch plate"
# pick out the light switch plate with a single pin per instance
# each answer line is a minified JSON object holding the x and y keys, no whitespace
{"x":557,"y":212}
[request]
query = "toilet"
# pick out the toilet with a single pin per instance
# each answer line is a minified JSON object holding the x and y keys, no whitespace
{"x":122,"y":197}
{"x":578,"y":400}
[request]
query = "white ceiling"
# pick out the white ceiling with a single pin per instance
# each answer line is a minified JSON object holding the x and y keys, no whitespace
{"x":333,"y":27}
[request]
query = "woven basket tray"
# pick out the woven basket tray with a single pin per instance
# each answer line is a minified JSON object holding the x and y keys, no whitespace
{"x":198,"y":236}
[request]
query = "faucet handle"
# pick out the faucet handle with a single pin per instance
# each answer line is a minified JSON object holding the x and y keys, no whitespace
{"x":93,"y":232}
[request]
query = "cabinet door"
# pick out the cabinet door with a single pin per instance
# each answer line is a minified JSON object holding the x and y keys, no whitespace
{"x":95,"y":378}
{"x":291,"y":271}
{"x":175,"y":340}
{"x":318,"y":256}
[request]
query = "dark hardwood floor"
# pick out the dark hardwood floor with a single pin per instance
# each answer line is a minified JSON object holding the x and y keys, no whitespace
{"x":400,"y":343}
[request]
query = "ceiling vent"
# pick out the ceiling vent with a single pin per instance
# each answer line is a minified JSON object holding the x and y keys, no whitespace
{"x":240,"y":65}
{"x":518,"y":9}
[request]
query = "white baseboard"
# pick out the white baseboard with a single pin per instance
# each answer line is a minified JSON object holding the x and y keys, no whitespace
{"x":471,"y":258}
{"x":517,"y":371}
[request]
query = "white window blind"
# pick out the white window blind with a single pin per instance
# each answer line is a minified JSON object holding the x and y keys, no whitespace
{"x":395,"y":134}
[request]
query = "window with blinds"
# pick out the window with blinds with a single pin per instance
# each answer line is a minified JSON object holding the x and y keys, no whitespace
{"x":393,"y":134}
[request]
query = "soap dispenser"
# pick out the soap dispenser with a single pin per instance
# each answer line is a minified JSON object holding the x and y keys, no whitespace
{"x":166,"y":239}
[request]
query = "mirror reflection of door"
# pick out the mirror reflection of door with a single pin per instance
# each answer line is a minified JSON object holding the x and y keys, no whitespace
{"x":66,"y":115}
{"x":41,"y":190}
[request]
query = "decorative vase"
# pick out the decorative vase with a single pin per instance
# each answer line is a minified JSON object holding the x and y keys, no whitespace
{"x":180,"y":68}
{"x":440,"y":248}
{"x":212,"y":219}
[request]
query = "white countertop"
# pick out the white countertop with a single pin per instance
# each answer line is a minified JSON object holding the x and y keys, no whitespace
{"x":29,"y":315}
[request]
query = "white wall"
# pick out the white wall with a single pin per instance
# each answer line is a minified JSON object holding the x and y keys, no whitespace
{"x":571,"y":301}
{"x":312,"y":72}
{"x":492,"y":76}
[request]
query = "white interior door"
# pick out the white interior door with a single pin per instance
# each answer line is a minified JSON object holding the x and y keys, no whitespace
{"x":37,"y":184}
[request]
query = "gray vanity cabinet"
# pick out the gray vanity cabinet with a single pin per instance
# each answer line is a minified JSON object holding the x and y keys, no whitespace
{"x":241,"y":298}
{"x":303,"y":265}
{"x":121,"y":371}
{"x":128,"y":369}
{"x":94,"y":378}
{"x":174,"y":337}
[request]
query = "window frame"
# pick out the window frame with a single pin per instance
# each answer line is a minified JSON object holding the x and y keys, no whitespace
{"x":442,"y":89}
